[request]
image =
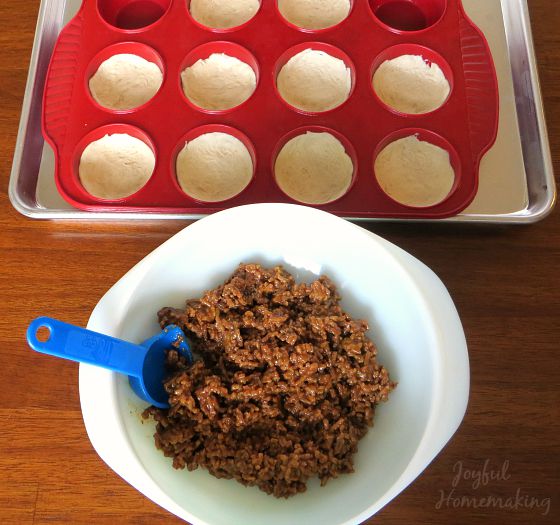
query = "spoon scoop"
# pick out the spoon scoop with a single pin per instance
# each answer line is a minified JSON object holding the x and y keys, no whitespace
{"x":143,"y":364}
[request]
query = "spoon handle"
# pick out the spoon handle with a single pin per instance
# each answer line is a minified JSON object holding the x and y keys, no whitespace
{"x":84,"y":346}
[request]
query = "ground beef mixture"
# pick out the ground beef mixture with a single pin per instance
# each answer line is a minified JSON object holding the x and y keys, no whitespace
{"x":285,"y":387}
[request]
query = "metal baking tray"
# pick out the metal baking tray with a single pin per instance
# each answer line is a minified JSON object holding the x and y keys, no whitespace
{"x":516,"y":178}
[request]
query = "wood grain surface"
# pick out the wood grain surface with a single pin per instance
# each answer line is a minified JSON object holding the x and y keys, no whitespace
{"x":505,"y":281}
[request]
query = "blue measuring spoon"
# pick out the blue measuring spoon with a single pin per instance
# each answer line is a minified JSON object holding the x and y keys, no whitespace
{"x":143,"y":364}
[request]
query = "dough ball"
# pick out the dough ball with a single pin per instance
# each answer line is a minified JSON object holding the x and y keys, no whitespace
{"x":314,"y":168}
{"x":218,"y":82}
{"x":314,"y":81}
{"x":125,"y":81}
{"x":410,"y":85}
{"x":116,"y":166}
{"x":314,"y":14}
{"x":214,"y":167}
{"x":414,"y":172}
{"x":223,"y":14}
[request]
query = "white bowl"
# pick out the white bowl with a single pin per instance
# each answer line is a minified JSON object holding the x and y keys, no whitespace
{"x":413,"y":323}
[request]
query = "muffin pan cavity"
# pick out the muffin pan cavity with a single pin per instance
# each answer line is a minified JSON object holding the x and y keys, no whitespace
{"x":413,"y":88}
{"x":311,"y":83}
{"x":221,"y":185}
{"x":326,"y":185}
{"x":221,"y":16}
{"x":97,"y":134}
{"x":132,"y":14}
{"x":221,"y":86}
{"x":314,"y":16}
{"x":408,"y":15}
{"x":415,"y":153}
{"x":124,"y":48}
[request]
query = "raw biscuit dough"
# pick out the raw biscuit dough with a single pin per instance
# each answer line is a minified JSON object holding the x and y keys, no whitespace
{"x":116,"y":166}
{"x":314,"y":168}
{"x":314,"y":81}
{"x":125,"y":81}
{"x":410,"y":85}
{"x":414,"y":172}
{"x":223,"y":14}
{"x":214,"y":167}
{"x":314,"y":14}
{"x":218,"y":82}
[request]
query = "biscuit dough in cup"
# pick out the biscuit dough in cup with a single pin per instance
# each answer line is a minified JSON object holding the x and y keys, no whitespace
{"x":125,"y":81}
{"x":214,"y":167}
{"x":414,"y":172}
{"x":314,"y":81}
{"x":116,"y":166}
{"x":314,"y":14}
{"x":409,"y":84}
{"x":219,"y":82}
{"x":314,"y":168}
{"x":223,"y":14}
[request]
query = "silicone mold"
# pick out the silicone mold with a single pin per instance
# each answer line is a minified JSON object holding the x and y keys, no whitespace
{"x":467,"y":121}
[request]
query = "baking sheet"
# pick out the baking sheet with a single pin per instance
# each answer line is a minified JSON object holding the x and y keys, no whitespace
{"x":516,"y":180}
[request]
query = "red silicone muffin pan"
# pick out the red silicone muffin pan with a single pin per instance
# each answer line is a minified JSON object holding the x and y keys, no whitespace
{"x":164,"y":32}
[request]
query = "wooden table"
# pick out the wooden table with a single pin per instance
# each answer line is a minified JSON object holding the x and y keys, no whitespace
{"x":504,"y":281}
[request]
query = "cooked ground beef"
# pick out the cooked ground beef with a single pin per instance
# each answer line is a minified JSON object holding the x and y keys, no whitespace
{"x":285,"y":388}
